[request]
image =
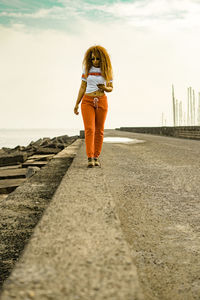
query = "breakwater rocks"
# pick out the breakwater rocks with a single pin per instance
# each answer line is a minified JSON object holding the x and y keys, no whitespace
{"x":24,"y":197}
{"x":19,"y":163}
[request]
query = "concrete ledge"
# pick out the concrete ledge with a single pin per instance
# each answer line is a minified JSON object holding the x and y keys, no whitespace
{"x":21,"y":210}
{"x":77,"y":250}
{"x":82,"y":134}
{"x":69,"y":151}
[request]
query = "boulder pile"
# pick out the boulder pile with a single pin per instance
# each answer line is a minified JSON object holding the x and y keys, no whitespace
{"x":19,"y":163}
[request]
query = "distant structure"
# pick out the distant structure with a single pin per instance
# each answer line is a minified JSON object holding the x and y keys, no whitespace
{"x":174,"y":106}
{"x":193,"y":109}
{"x":164,"y":121}
{"x":198,"y":112}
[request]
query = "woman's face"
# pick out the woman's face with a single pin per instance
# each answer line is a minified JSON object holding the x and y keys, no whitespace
{"x":95,"y":60}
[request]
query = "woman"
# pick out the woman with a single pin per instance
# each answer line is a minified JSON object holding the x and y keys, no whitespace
{"x":96,"y":80}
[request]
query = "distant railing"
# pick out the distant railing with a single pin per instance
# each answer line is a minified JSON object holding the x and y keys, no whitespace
{"x":188,"y":132}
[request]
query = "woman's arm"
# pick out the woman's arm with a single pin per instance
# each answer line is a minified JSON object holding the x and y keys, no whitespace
{"x":80,"y":95}
{"x":108,"y":88}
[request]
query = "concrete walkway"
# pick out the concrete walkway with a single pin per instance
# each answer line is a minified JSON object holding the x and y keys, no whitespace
{"x":139,"y":210}
{"x":78,"y":250}
{"x":155,"y":185}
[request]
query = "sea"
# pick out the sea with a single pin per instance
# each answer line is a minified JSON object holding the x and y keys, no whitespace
{"x":13,"y":137}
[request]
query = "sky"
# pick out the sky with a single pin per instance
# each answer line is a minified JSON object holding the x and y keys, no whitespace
{"x":152,"y":45}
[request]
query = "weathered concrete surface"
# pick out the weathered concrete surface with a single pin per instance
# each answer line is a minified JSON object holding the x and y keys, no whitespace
{"x":154,"y":189}
{"x":10,"y":167}
{"x":12,"y":159}
{"x":3,"y":196}
{"x":9,"y":185}
{"x":12,"y":173}
{"x":42,"y":157}
{"x":21,"y":210}
{"x":77,"y":250}
{"x":157,"y":195}
{"x":34,"y":163}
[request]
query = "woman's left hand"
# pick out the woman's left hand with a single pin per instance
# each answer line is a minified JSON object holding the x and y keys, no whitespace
{"x":101,"y":87}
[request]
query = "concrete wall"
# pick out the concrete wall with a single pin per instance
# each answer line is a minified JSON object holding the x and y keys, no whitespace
{"x":82,"y":134}
{"x":189,"y":132}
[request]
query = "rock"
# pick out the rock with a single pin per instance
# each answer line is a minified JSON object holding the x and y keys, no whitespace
{"x":45,"y":157}
{"x":42,"y":146}
{"x":12,"y":173}
{"x":45,"y":141}
{"x":31,"y":171}
{"x":64,"y":139}
{"x":31,"y":143}
{"x":41,"y":141}
{"x":10,"y":167}
{"x":12,"y":159}
{"x":2,"y":152}
{"x":6,"y":150}
{"x":33,"y":163}
{"x":30,"y":152}
{"x":61,"y":139}
{"x":19,"y":148}
{"x":9,"y":185}
{"x":41,"y":150}
{"x":38,"y":142}
{"x":55,"y":145}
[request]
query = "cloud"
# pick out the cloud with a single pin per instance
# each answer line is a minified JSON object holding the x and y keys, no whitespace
{"x":157,"y":14}
{"x":147,"y":14}
{"x":53,"y":13}
{"x":40,"y":74}
{"x":41,"y":69}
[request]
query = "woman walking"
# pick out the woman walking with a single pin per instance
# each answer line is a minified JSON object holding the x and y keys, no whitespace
{"x":96,"y":80}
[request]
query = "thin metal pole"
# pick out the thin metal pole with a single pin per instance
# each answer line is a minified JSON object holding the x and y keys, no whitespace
{"x":188,"y":106}
{"x":174,"y":108}
{"x":198,"y":118}
{"x":180,"y":114}
{"x":194,"y":108}
{"x":191,"y":115}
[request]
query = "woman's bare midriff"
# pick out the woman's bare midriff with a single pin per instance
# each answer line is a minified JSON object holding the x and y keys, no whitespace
{"x":96,"y":94}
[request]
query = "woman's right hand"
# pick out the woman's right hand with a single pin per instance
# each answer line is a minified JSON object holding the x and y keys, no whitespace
{"x":76,"y":110}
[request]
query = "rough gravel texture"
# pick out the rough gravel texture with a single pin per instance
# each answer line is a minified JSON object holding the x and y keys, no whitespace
{"x":156,"y":189}
{"x":77,"y":250}
{"x":21,"y":210}
{"x":140,"y":208}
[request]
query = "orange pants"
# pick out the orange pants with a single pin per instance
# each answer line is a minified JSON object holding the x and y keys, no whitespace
{"x":94,"y":111}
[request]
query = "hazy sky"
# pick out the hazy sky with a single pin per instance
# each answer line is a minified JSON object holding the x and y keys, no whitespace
{"x":152,"y":43}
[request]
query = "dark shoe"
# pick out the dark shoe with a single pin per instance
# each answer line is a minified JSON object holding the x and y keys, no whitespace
{"x":97,"y":162}
{"x":90,"y":162}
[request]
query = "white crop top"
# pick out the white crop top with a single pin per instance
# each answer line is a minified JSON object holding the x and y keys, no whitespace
{"x":94,"y":78}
